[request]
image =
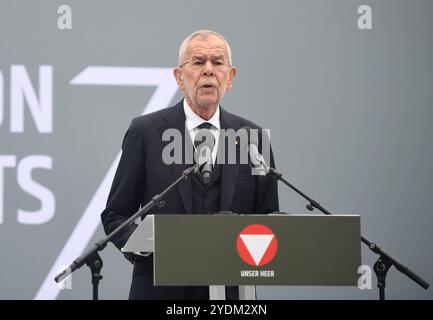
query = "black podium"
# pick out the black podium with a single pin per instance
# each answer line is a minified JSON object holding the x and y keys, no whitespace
{"x":249,"y":250}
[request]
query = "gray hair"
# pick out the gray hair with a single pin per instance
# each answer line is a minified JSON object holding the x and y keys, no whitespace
{"x":204,"y":33}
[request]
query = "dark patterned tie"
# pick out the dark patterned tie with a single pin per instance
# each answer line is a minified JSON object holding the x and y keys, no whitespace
{"x":204,"y":125}
{"x":207,"y":126}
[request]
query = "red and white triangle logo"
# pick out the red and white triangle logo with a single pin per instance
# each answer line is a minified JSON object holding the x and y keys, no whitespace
{"x":257,"y":245}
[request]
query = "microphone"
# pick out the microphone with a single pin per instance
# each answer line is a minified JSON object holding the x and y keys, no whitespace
{"x":204,"y":142}
{"x":258,"y":163}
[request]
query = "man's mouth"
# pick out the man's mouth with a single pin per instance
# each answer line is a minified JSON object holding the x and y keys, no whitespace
{"x":208,"y":86}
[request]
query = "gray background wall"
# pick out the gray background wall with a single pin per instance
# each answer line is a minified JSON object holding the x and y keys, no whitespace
{"x":350,"y":113}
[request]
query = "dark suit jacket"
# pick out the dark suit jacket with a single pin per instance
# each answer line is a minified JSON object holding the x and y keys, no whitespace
{"x":141,"y":174}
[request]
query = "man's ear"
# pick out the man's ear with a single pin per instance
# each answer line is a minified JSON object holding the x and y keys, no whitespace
{"x":233,"y":72}
{"x":177,"y":72}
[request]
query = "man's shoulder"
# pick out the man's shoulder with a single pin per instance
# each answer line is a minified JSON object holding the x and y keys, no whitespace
{"x":241,"y":121}
{"x":154,"y":116}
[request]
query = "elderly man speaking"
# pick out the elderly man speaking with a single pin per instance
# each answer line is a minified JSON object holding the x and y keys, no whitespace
{"x":204,"y":74}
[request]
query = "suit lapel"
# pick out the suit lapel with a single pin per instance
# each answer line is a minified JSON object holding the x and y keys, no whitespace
{"x":229,"y":172}
{"x":176,"y":120}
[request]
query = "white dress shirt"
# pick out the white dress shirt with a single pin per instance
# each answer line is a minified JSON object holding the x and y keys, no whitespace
{"x":192,"y":121}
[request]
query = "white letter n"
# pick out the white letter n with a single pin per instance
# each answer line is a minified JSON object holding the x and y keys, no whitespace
{"x":42,"y":109}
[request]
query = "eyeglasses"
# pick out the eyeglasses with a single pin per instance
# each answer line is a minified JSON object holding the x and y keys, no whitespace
{"x":198,"y":64}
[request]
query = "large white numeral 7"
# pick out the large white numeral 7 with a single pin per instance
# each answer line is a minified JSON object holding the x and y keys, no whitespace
{"x":166,"y":88}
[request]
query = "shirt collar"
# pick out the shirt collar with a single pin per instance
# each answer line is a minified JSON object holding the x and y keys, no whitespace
{"x":192,"y":120}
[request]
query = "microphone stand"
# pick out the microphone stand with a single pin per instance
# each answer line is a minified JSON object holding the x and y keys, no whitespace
{"x":92,"y":259}
{"x":383,"y":263}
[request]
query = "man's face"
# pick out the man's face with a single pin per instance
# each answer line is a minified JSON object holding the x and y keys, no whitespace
{"x":205,"y":74}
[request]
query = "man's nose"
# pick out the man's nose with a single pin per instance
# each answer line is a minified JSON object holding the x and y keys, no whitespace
{"x":208,"y":69}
